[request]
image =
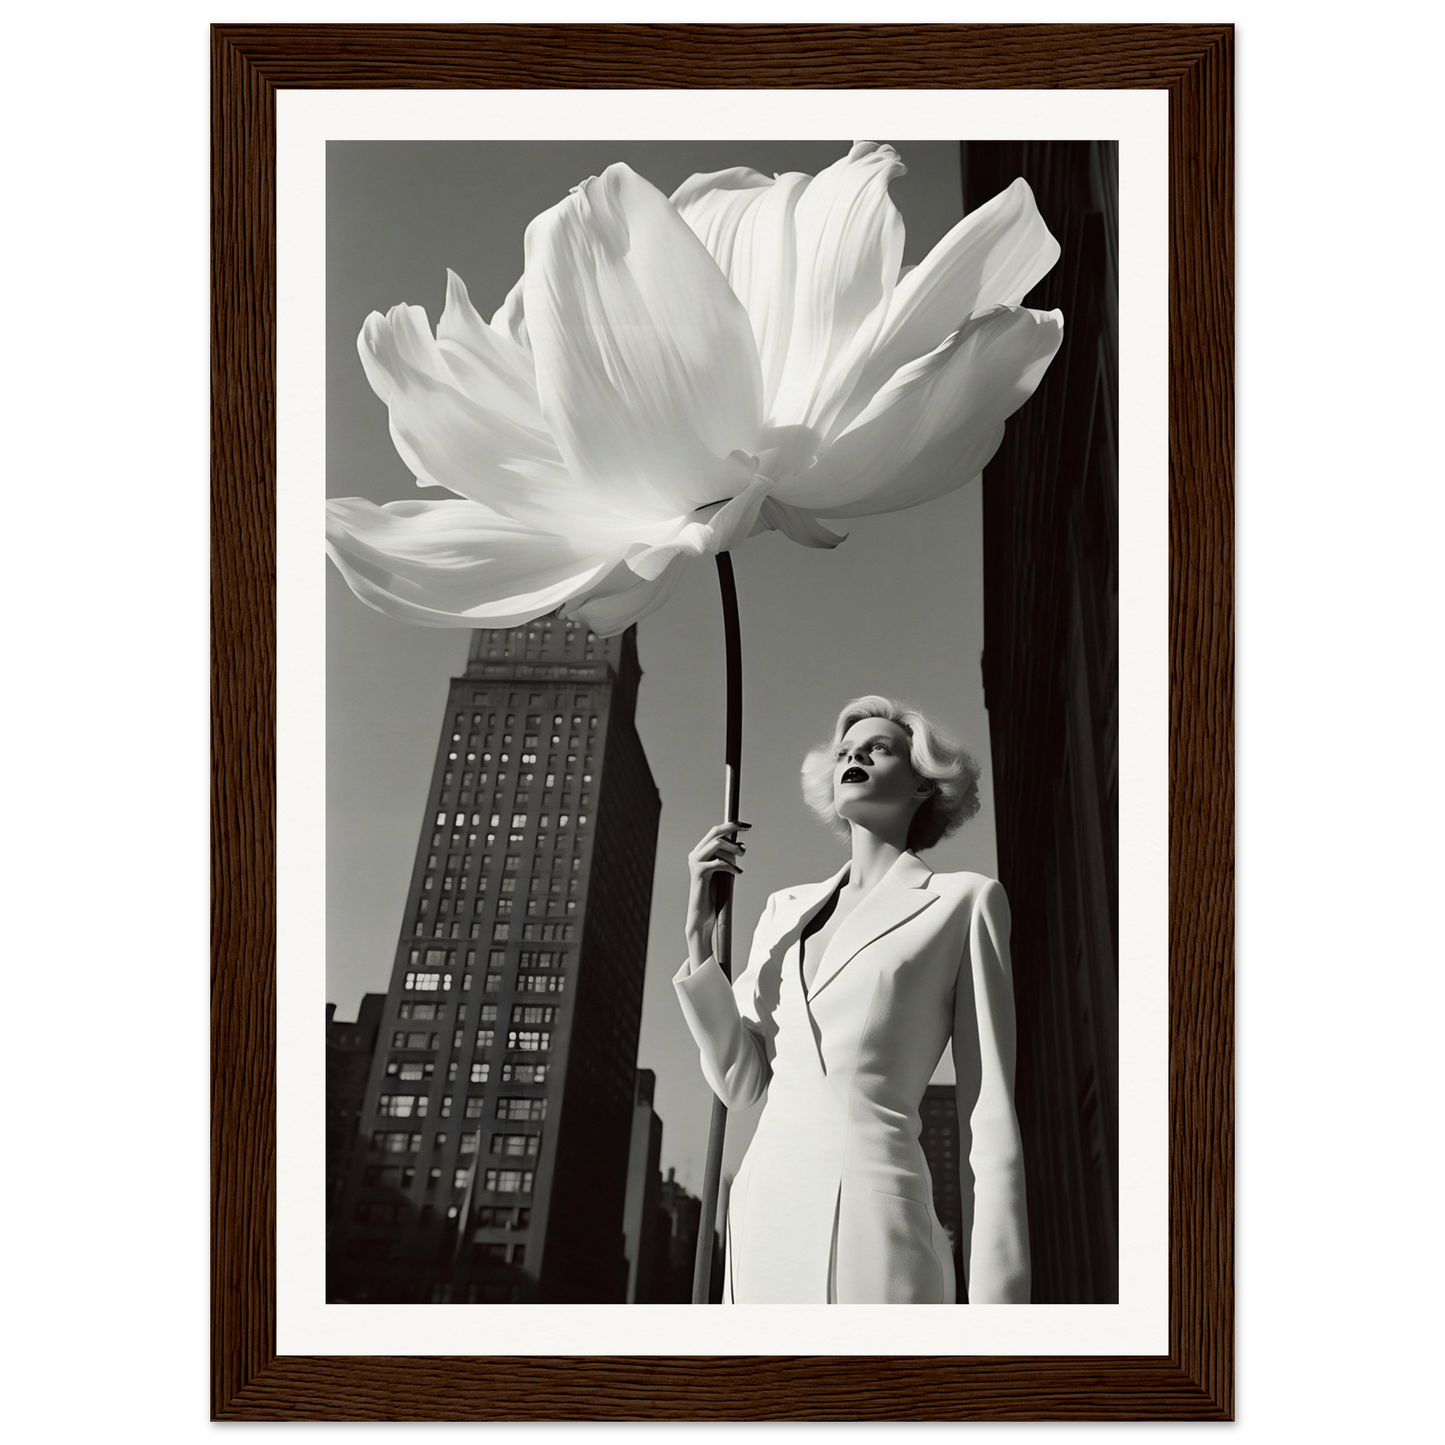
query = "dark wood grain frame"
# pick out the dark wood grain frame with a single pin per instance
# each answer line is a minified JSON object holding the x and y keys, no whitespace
{"x":1194,"y":63}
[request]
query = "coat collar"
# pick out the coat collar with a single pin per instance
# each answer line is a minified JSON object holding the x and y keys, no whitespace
{"x":897,"y":896}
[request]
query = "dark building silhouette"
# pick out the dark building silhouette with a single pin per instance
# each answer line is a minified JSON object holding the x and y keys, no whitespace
{"x":1050,"y":671}
{"x":938,"y":1111}
{"x":644,"y":1190}
{"x":349,"y":1049}
{"x":677,"y":1219}
{"x":493,"y":1157}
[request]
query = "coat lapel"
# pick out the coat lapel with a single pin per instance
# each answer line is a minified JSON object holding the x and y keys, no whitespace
{"x":896,"y":898}
{"x":800,"y":904}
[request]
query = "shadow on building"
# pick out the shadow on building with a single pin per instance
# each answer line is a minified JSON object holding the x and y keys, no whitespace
{"x":495,"y":1122}
{"x":1050,"y":671}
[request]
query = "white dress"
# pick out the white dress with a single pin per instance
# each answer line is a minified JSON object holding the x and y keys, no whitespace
{"x":833,"y":1202}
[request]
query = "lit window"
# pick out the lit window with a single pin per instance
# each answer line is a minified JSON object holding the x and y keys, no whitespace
{"x":501,"y":932}
{"x":533,"y":1013}
{"x":524,"y":1073}
{"x":509,"y":1181}
{"x":541,"y":983}
{"x":422,"y":982}
{"x":468,"y":1144}
{"x":489,"y":1013}
{"x":504,"y":907}
{"x":387,"y":1141}
{"x":441,"y":820}
{"x":485,"y":1036}
{"x":529,"y":1040}
{"x":410,"y":1071}
{"x":402,"y":1106}
{"x":474,"y":1107}
{"x":529,"y":1110}
{"x":460,"y":1178}
{"x":515,"y":1145}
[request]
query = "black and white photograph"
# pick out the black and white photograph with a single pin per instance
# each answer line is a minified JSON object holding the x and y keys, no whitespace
{"x":722,"y":722}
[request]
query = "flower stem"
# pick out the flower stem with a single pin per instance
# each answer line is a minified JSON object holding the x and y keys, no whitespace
{"x":722,"y":937}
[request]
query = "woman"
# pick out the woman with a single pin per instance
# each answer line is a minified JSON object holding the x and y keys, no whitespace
{"x":852,"y":989}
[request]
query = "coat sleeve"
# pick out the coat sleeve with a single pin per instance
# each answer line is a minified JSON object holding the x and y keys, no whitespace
{"x":995,"y":1209}
{"x":731,"y":1037}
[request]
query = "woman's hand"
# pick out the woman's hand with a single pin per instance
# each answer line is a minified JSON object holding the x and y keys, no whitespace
{"x":716,"y":856}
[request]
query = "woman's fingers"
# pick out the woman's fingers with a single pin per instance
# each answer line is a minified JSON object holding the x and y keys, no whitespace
{"x":713,"y":840}
{"x":713,"y":865}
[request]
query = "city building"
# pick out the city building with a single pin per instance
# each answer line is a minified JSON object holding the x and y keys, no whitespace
{"x":938,"y":1111}
{"x":679,"y":1217}
{"x":493,"y":1158}
{"x":644,"y":1190}
{"x":1051,"y":682}
{"x":349,"y":1048}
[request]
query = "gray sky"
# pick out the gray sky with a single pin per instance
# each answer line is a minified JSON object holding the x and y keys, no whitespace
{"x":896,"y":609}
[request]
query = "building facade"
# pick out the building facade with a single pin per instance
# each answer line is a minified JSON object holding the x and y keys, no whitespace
{"x":349,"y":1050}
{"x":1051,"y":682}
{"x":938,"y":1114}
{"x":644,"y":1191}
{"x":492,"y":1160}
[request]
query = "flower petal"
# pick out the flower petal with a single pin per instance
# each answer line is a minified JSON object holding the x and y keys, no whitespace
{"x":454,"y":563}
{"x":797,"y":526}
{"x":993,"y":257}
{"x":490,"y":367}
{"x":610,"y":613}
{"x":450,"y":440}
{"x":849,"y":240}
{"x":509,"y":320}
{"x":950,"y":406}
{"x":646,"y":364}
{"x":700,"y":536}
{"x":745,"y":219}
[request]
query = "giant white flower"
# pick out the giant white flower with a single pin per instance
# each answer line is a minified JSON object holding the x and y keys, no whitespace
{"x":671,"y":376}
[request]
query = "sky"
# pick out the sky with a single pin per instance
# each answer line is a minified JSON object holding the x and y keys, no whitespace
{"x":896,"y":609}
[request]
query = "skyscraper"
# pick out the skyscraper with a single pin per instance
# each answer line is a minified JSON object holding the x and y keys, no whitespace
{"x":1051,"y":678}
{"x":492,"y":1163}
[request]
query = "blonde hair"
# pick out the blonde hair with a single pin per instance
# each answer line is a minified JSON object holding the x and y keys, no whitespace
{"x":933,"y":756}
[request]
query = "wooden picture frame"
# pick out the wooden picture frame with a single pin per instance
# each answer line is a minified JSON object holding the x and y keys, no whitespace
{"x":1193,"y":63}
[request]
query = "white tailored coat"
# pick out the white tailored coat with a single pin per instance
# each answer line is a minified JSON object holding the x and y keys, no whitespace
{"x":833,"y":1202}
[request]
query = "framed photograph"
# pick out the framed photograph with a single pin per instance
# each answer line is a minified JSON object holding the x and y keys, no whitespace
{"x":466,"y":843}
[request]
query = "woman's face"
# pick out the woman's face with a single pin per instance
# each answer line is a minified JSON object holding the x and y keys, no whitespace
{"x":873,"y":780}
